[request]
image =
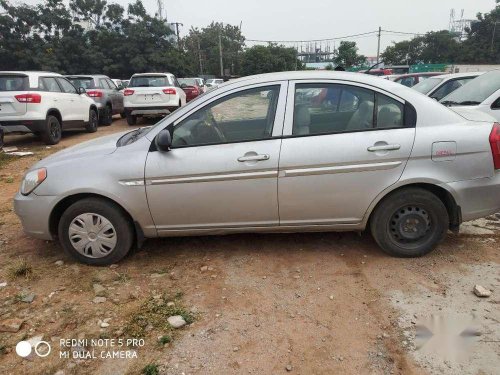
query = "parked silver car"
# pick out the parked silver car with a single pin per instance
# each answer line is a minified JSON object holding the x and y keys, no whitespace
{"x":321,"y":151}
{"x":106,"y":95}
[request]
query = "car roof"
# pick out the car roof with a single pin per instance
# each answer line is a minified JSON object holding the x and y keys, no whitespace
{"x":86,"y":75}
{"x":422,"y":74}
{"x":151,"y":74}
{"x":458,"y":75}
{"x":31,"y":73}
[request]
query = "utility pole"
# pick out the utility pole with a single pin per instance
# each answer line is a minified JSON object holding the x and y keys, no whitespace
{"x":199,"y":56}
{"x":177,"y":24}
{"x":220,"y":52}
{"x":493,"y":36}
{"x":378,"y":45}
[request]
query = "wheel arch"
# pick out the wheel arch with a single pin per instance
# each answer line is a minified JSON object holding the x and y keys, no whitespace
{"x":63,"y":204}
{"x":54,"y":112}
{"x":444,"y":195}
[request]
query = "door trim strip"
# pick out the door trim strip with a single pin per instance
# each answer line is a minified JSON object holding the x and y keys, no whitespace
{"x":340,"y":169}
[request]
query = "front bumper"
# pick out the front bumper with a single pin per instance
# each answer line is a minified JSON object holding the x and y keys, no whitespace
{"x":23,"y":126}
{"x":34,"y":212}
{"x":478,"y":198}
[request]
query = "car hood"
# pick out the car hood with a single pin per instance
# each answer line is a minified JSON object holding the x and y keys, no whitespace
{"x":473,"y":113}
{"x":95,"y":147}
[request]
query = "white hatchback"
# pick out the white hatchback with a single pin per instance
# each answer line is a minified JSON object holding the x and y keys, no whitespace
{"x":45,"y":104}
{"x":152,"y":95}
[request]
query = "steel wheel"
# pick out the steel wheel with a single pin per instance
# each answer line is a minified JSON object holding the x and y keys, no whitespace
{"x":410,"y":225}
{"x":92,"y":235}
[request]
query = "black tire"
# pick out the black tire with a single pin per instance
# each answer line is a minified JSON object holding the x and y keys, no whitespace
{"x":409,"y":223}
{"x":107,"y":116}
{"x":91,"y":127}
{"x":114,"y":214}
{"x":1,"y":138}
{"x":131,"y":120}
{"x":123,"y":115}
{"x":53,"y":130}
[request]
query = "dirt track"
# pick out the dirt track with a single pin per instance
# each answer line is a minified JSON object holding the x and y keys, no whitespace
{"x":322,"y":303}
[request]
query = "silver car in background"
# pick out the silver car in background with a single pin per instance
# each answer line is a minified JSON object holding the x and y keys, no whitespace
{"x":106,"y":95}
{"x":320,"y":151}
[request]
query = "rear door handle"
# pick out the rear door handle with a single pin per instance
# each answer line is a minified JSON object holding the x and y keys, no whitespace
{"x":384,"y":148}
{"x":253,"y":158}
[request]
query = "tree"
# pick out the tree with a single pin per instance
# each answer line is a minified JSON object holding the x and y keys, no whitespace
{"x":347,"y":55}
{"x":270,"y":58}
{"x":204,"y":43}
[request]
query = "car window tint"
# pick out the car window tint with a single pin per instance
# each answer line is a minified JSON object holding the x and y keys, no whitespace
{"x":13,"y":83}
{"x":111,"y":84}
{"x":149,"y":81}
{"x":85,"y":82}
{"x":51,"y":84}
{"x":389,"y":112}
{"x":332,"y":108}
{"x":449,"y":87}
{"x":244,"y":116}
{"x":104,"y":84}
{"x":66,"y":86}
{"x":408,"y":81}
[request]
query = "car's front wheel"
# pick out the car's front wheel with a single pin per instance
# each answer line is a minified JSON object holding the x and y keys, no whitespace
{"x":409,"y":223}
{"x":96,"y":231}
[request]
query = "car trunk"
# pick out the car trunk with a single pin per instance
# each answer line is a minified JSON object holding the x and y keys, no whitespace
{"x":473,"y":114}
{"x":148,"y":95}
{"x":12,"y":85}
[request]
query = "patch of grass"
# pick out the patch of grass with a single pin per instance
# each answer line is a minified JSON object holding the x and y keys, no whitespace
{"x":151,"y":369}
{"x":165,"y":339}
{"x":20,"y":268}
{"x":155,"y":312}
{"x":9,"y":180}
{"x":5,"y":159}
{"x":3,"y":348}
{"x":122,"y":277}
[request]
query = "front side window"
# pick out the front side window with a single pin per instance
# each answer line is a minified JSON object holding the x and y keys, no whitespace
{"x":243,"y":116}
{"x":335,"y":108}
{"x":66,"y":86}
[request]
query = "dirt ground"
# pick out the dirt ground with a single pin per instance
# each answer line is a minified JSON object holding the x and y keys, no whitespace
{"x":323,"y":303}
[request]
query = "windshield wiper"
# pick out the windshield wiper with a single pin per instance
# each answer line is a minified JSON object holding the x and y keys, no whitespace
{"x":449,"y":102}
{"x":469,"y":102}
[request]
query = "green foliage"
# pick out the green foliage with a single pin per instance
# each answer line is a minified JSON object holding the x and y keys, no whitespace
{"x":98,"y":38}
{"x":270,"y":58}
{"x":347,"y":55}
{"x":482,"y":45}
{"x":151,"y":369}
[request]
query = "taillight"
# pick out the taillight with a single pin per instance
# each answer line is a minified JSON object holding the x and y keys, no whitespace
{"x":29,"y":98}
{"x":170,"y":91}
{"x":128,"y":92}
{"x":495,"y":144}
{"x":95,"y":94}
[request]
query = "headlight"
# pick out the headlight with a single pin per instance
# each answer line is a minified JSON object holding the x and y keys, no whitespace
{"x":32,"y":180}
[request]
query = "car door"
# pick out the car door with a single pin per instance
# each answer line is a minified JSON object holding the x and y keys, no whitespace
{"x":78,"y":106}
{"x":55,"y":97}
{"x":117,"y":96}
{"x":221,"y":172}
{"x":343,"y":144}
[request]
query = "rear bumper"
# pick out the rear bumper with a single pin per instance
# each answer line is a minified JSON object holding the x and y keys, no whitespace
{"x":150,"y":111}
{"x":34,"y":212}
{"x":478,"y":198}
{"x":22,"y":126}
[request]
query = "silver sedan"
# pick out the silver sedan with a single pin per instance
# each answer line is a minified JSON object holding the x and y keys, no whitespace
{"x":281,"y":152}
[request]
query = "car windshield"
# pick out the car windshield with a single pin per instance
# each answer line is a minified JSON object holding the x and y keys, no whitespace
{"x":85,"y":82}
{"x":149,"y":81}
{"x":188,"y":81}
{"x":427,"y":85}
{"x":476,"y":91}
{"x":13,"y":83}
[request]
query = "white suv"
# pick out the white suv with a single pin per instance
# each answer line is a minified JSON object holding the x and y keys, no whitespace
{"x":152,"y":95}
{"x":45,"y":104}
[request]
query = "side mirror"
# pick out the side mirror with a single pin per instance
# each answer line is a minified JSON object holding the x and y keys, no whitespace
{"x":163,"y":140}
{"x":81,"y":90}
{"x":119,"y":87}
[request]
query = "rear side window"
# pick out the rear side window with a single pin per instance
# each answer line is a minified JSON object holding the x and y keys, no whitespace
{"x":50,"y":84}
{"x":85,"y":82}
{"x":14,"y":83}
{"x":111,"y":84}
{"x":149,"y":81}
{"x":334,"y":108}
{"x":67,"y":87}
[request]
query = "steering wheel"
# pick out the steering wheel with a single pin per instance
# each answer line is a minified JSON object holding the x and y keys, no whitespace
{"x":209,"y":120}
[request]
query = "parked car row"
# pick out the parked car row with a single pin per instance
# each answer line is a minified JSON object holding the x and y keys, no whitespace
{"x":46,"y":104}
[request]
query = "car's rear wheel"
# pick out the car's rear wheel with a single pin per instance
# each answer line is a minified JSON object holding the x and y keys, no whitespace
{"x":53,"y":130}
{"x":123,"y":115}
{"x":1,"y":138}
{"x":107,"y":115}
{"x":91,"y":127}
{"x":96,"y":231}
{"x":131,"y":120}
{"x":409,"y":223}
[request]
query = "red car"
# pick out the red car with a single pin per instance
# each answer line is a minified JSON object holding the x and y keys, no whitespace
{"x":190,"y":87}
{"x":379,"y":72}
{"x":412,"y":79}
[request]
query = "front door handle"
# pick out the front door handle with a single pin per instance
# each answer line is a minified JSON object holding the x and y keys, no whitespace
{"x":384,"y":148}
{"x":253,"y":158}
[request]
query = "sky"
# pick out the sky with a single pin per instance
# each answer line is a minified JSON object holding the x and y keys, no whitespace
{"x":320,"y":19}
